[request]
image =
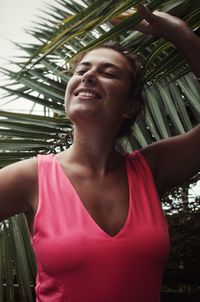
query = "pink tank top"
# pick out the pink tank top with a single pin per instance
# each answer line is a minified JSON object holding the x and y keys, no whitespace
{"x":78,"y":262}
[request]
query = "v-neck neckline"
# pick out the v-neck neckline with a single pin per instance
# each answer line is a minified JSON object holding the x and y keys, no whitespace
{"x":122,"y":229}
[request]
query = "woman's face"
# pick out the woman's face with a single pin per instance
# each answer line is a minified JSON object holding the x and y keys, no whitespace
{"x":99,"y":87}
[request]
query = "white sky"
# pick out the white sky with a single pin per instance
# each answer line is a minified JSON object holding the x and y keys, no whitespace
{"x":15,"y":15}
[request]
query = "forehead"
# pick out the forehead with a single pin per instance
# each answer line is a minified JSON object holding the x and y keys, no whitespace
{"x":106,"y":56}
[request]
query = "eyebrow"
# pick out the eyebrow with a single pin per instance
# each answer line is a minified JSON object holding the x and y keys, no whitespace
{"x":104,"y":65}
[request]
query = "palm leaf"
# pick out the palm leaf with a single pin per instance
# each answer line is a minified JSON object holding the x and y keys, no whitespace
{"x":17,"y":261}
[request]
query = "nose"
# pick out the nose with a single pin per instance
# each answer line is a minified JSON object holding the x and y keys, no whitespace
{"x":89,"y":78}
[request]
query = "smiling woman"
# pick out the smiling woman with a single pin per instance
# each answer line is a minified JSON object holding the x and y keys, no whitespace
{"x":114,"y":66}
{"x":97,"y":212}
{"x":113,"y":91}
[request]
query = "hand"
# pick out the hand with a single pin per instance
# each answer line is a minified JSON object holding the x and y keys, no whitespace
{"x":159,"y":24}
{"x":162,"y":24}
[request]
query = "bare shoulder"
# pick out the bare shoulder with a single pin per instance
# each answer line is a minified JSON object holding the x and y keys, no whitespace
{"x":25,"y":169}
{"x":18,"y":187}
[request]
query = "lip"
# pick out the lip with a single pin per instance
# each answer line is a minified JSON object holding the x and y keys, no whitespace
{"x":96,"y":94}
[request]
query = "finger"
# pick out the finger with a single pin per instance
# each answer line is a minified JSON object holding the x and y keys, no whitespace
{"x":119,"y":18}
{"x":144,"y":27}
{"x":145,"y":13}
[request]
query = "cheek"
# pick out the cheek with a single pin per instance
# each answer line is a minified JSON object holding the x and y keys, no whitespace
{"x":121,"y":94}
{"x":66,"y":98}
{"x":68,"y":93}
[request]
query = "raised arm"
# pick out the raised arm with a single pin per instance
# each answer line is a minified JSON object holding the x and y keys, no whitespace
{"x":176,"y":159}
{"x":18,"y":188}
{"x":173,"y":30}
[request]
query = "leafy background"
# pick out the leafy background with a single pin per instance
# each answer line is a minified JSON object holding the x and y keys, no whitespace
{"x":43,"y":70}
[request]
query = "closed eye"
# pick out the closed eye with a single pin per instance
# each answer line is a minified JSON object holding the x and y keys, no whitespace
{"x":80,"y":71}
{"x":109,"y":74}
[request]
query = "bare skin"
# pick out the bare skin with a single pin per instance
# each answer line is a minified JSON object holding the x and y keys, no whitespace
{"x":175,"y":160}
{"x":91,"y":164}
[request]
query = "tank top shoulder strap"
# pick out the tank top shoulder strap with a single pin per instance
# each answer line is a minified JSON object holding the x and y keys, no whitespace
{"x":143,"y":182}
{"x":141,"y":165}
{"x":44,"y":159}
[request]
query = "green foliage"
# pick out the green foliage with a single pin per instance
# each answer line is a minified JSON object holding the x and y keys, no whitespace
{"x":183,"y":213}
{"x":17,"y":262}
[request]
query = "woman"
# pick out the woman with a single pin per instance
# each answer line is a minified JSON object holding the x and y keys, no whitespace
{"x":99,"y":233}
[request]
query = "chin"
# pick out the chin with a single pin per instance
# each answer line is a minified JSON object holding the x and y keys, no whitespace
{"x":81,"y":114}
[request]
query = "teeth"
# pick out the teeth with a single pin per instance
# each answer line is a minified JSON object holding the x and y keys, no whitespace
{"x":87,"y":94}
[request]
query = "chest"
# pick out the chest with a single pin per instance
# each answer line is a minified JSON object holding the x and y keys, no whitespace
{"x":105,"y":199}
{"x":79,"y":247}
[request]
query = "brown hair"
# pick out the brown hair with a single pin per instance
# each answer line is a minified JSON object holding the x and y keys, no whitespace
{"x":137,"y":103}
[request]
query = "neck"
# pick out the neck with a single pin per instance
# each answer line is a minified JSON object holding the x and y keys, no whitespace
{"x":94,"y":149}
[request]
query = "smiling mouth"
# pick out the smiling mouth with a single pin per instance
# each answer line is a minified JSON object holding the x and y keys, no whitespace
{"x":87,"y":94}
